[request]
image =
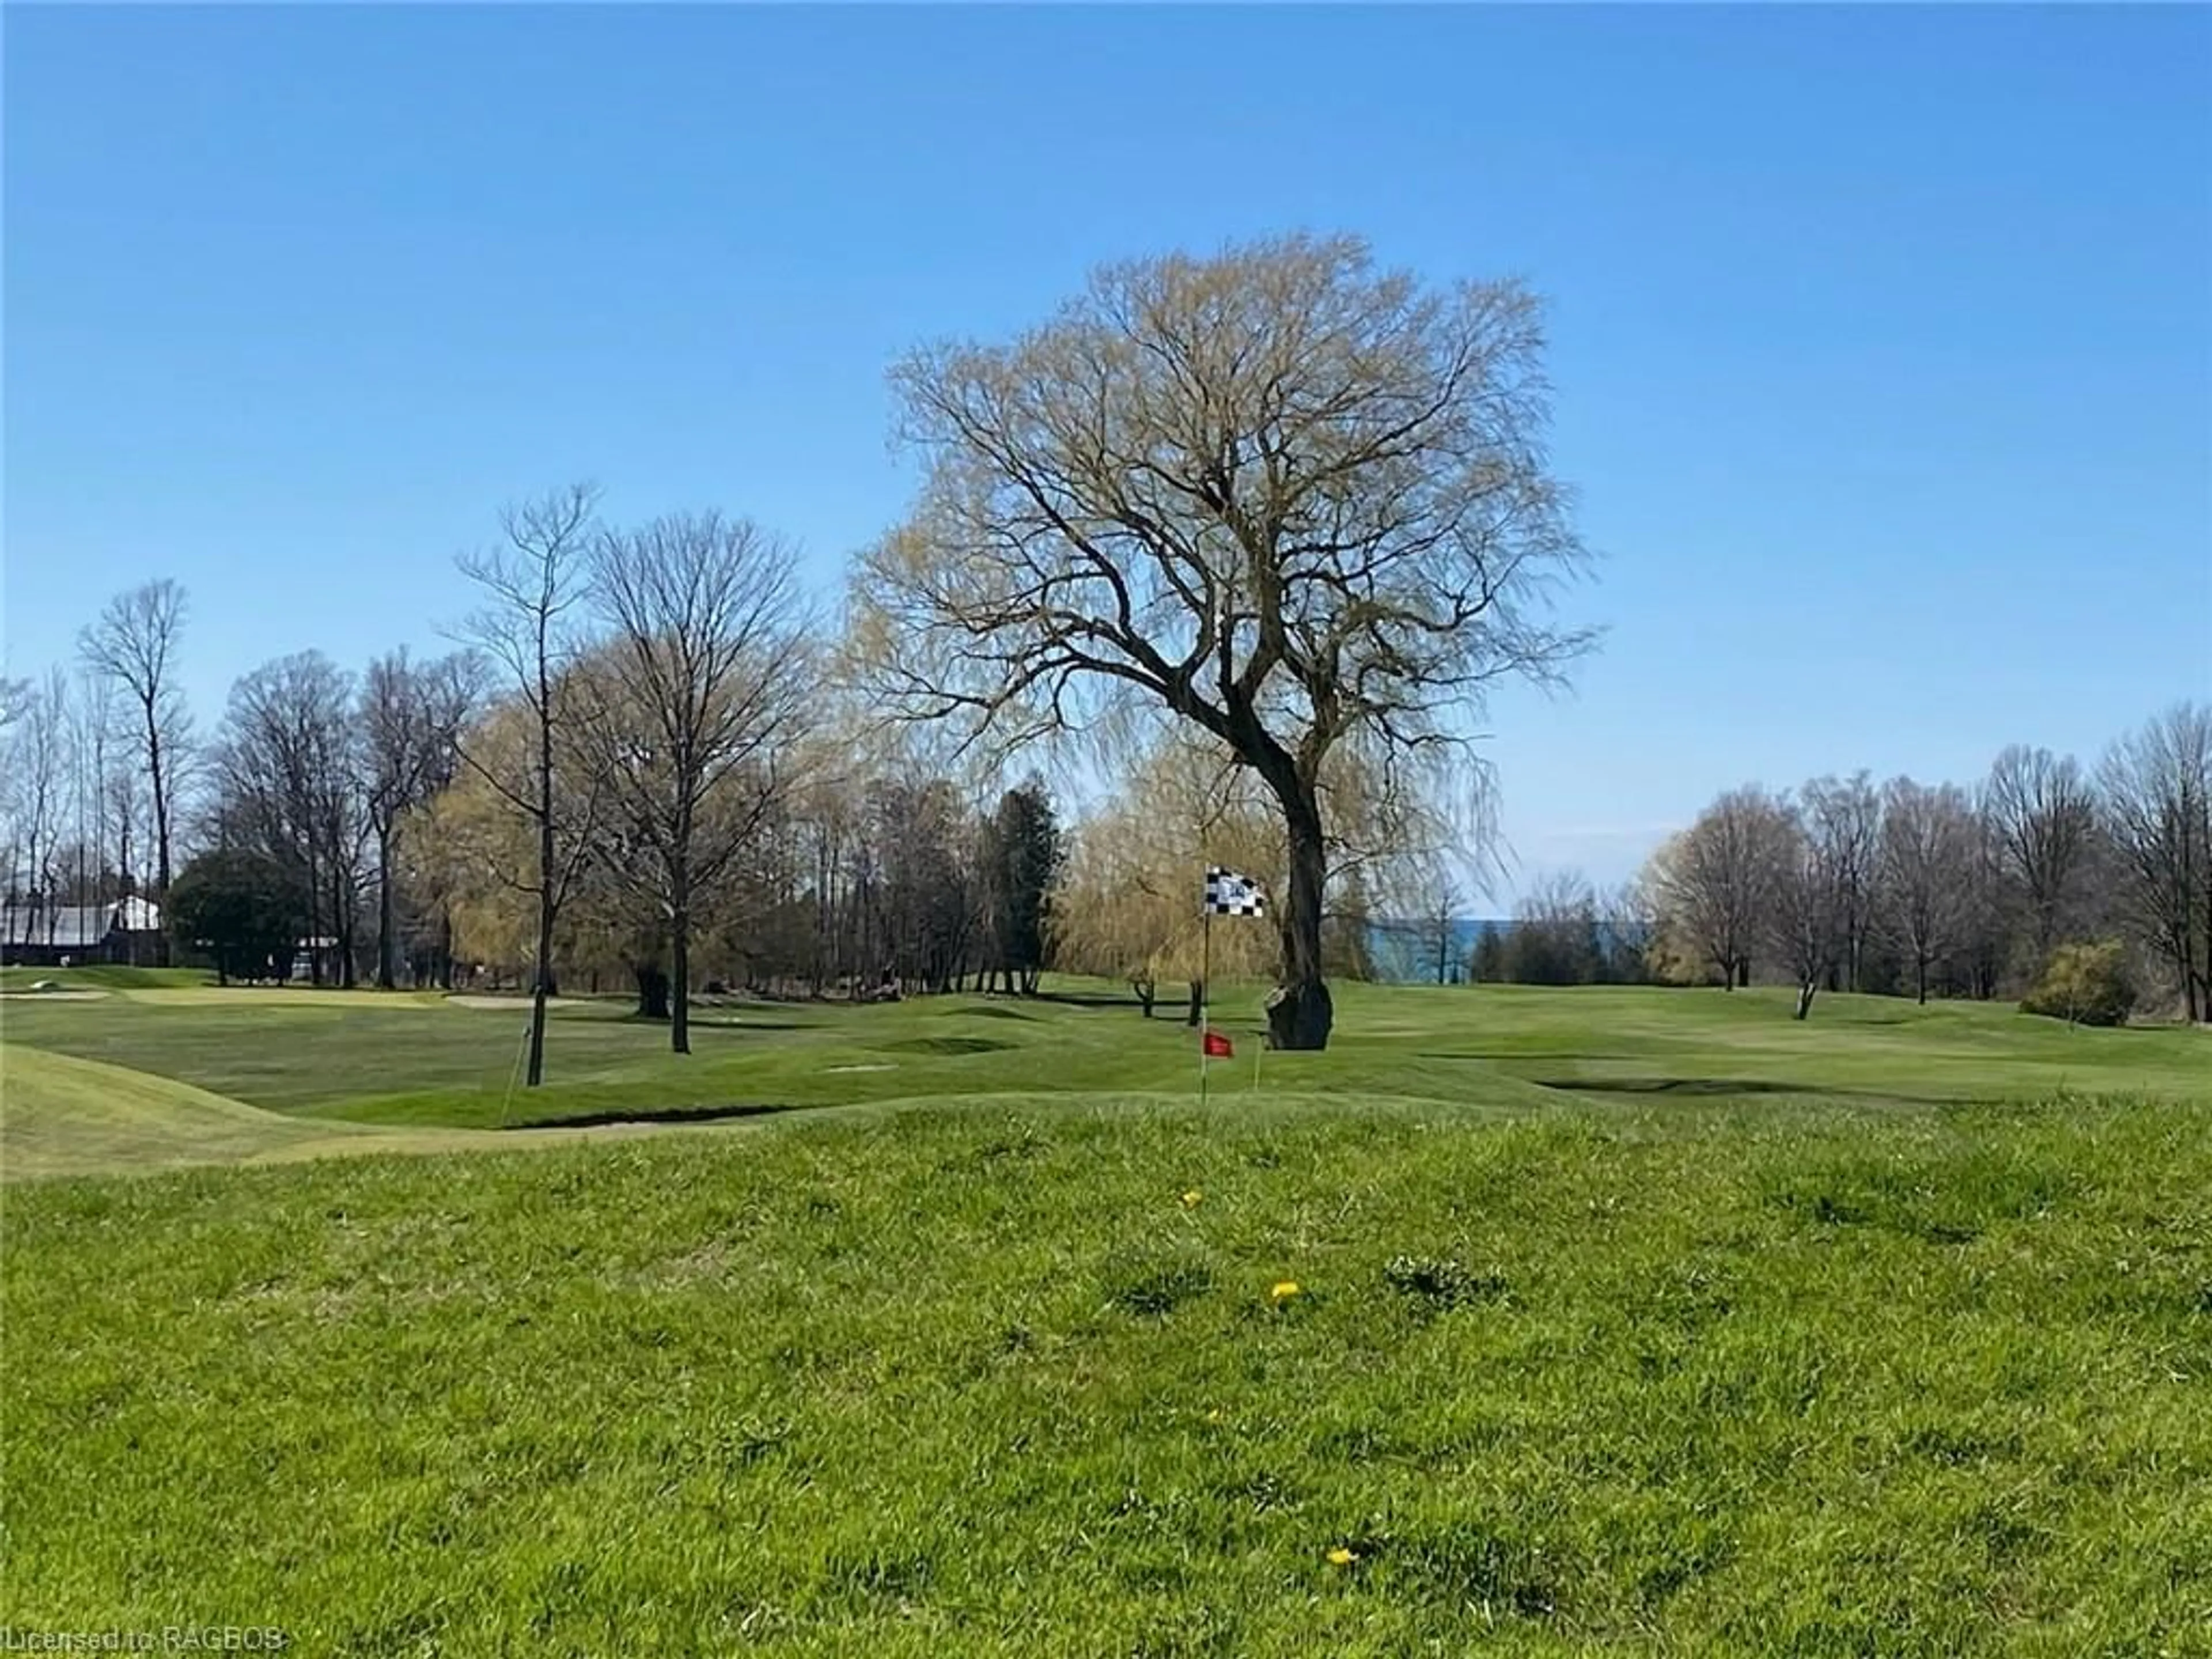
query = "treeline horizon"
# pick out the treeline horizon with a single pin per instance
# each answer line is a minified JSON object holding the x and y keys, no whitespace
{"x":1903,"y":888}
{"x":1265,"y":527}
{"x":347,"y":811}
{"x":362,"y":823}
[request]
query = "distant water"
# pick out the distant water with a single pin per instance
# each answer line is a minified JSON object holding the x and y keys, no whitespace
{"x":1406,"y":952}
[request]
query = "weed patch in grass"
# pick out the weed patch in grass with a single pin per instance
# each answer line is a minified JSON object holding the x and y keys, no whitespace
{"x":1153,"y":1284}
{"x":1439,"y":1285}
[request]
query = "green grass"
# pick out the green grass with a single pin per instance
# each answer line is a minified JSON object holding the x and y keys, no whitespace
{"x":420,"y":1060}
{"x":64,"y":1116}
{"x":1628,"y":1323}
{"x":103,"y":977}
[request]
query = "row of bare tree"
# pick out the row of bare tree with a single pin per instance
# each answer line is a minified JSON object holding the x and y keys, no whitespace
{"x":1276,"y":504}
{"x":92,"y":763}
{"x":1957,"y":890}
{"x":1276,"y":500}
{"x":631,"y":757}
{"x":667,"y":755}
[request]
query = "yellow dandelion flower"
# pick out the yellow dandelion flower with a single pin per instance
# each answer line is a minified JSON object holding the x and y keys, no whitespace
{"x":1341,"y":1557}
{"x":1190,"y":1198}
{"x":1285,"y":1290}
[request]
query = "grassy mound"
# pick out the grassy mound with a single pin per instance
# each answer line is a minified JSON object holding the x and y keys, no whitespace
{"x":1016,"y":1377}
{"x":66,"y":1116}
{"x":61,"y":1116}
{"x":105,"y":977}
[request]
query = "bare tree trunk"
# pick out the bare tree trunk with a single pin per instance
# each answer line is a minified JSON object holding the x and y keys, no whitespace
{"x":1197,"y":1003}
{"x":2204,"y":978}
{"x":679,"y":1004}
{"x":387,"y":964}
{"x":315,"y":934}
{"x":1805,"y":999}
{"x":347,"y":932}
{"x":161,"y":823}
{"x":1300,"y":1011}
{"x":652,"y":991}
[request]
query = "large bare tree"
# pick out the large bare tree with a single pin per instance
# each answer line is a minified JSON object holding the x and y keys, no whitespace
{"x":1843,"y":818}
{"x":2044,"y":817}
{"x":1929,"y":844}
{"x":1805,"y":920}
{"x":1713,"y":884}
{"x":1436,"y":928}
{"x":532,"y":582}
{"x":700,"y":694}
{"x":1556,"y":938}
{"x":2156,"y":789}
{"x":412,"y":715}
{"x":133,"y":642}
{"x":36,"y":760}
{"x":1293,"y":500}
{"x":289,"y":784}
{"x":93,"y":739}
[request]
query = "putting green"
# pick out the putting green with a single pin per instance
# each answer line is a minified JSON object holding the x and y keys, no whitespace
{"x":279,"y":996}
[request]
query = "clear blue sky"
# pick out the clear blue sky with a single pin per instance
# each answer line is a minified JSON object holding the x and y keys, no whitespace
{"x":1882,"y":338}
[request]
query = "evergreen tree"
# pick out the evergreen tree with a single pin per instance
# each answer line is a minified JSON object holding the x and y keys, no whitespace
{"x":1024,"y":851}
{"x":240,"y":907}
{"x":1486,"y":966}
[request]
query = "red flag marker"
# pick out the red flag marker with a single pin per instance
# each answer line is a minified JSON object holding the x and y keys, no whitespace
{"x":1217,"y":1046}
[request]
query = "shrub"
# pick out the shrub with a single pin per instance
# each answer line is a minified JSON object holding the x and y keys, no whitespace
{"x":2084,"y":985}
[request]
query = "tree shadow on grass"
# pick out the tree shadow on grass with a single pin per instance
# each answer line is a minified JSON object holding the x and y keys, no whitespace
{"x":736,"y":1023}
{"x":655,"y":1114}
{"x":943,"y":1045}
{"x":1087,"y":999}
{"x":1563,"y":1051}
{"x":1721,"y":1087}
{"x":1674,"y":1085}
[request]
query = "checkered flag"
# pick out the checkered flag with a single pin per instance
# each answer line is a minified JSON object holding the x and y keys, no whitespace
{"x":1228,"y":894}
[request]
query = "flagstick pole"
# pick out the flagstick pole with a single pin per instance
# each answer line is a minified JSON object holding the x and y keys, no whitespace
{"x":1205,"y":990}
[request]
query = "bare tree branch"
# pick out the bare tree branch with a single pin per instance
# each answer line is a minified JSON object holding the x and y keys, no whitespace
{"x":133,"y":642}
{"x":532,"y":581}
{"x":1291,"y":500}
{"x":701,"y":694}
